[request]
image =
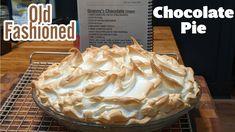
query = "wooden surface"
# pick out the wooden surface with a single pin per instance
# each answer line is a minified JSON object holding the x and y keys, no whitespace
{"x":16,"y":62}
{"x":18,"y":59}
{"x":226,"y":112}
{"x":206,"y":118}
{"x":7,"y":82}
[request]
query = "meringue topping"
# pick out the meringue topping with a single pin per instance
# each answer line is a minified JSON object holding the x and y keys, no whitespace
{"x":118,"y":85}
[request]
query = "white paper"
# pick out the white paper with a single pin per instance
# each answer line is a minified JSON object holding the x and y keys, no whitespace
{"x":112,"y":22}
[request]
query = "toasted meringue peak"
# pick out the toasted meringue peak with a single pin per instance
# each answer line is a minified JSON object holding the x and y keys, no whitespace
{"x":118,"y":85}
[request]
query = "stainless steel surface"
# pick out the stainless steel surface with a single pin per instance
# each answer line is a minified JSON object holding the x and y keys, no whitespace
{"x":4,"y":14}
{"x":5,"y":45}
{"x":46,"y":53}
{"x":20,"y":113}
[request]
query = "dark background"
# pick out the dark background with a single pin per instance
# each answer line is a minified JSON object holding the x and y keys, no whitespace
{"x":211,"y":55}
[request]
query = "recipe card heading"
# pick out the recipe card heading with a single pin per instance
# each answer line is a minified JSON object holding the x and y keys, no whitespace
{"x":39,"y":27}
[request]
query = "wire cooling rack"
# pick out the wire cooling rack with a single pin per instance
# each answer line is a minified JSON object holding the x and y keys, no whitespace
{"x":20,"y":113}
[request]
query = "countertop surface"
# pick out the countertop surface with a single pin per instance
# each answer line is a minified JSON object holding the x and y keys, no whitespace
{"x":14,"y":63}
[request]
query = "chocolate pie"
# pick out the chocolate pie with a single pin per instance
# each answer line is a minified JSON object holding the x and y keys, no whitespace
{"x":118,"y":85}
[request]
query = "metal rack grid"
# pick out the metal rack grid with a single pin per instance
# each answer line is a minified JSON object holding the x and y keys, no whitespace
{"x":20,"y":113}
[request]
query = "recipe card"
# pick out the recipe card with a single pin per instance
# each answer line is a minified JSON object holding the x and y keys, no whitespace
{"x":114,"y":22}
